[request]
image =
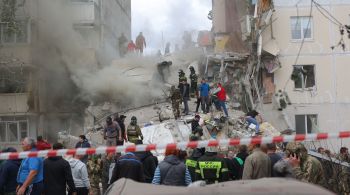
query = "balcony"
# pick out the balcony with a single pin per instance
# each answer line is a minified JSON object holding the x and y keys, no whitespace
{"x":85,"y":13}
{"x":14,"y":103}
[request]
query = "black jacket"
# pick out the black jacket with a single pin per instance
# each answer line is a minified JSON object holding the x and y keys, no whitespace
{"x":185,"y":93}
{"x":128,"y":166}
{"x":57,"y":175}
{"x":212,"y":164}
{"x":8,"y":175}
{"x":191,"y":162}
{"x":172,"y":171}
{"x":149,"y":163}
{"x":122,"y":127}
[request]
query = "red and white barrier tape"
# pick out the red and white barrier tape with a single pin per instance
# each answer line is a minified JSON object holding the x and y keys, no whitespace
{"x":180,"y":145}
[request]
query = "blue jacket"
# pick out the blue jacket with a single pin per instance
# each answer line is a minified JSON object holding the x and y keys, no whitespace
{"x":84,"y":144}
{"x":204,"y":90}
{"x":8,"y":175}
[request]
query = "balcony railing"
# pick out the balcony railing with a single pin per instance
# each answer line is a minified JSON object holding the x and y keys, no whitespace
{"x":13,"y":102}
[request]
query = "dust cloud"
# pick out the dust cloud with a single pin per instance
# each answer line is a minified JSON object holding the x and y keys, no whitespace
{"x":76,"y":78}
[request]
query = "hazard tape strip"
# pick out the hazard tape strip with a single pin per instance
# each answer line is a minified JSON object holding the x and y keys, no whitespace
{"x":180,"y":145}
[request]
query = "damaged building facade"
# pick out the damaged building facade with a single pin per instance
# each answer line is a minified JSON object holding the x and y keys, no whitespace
{"x":37,"y":94}
{"x":296,"y":72}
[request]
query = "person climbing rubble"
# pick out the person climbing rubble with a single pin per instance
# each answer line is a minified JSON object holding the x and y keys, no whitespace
{"x":133,"y":131}
{"x":251,"y":118}
{"x":175,"y":97}
{"x":140,"y":43}
{"x":222,"y":98}
{"x":194,"y":81}
{"x":197,"y":130}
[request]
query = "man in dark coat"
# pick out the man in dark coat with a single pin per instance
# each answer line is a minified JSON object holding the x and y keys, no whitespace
{"x":128,"y":166}
{"x":149,"y":163}
{"x":57,"y":174}
{"x":8,"y":174}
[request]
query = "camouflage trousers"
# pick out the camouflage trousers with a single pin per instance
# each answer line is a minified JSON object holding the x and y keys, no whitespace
{"x":176,"y":109}
{"x":95,"y":191}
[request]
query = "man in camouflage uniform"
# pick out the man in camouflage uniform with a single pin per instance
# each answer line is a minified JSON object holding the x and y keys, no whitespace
{"x":94,"y":167}
{"x":175,"y":97}
{"x":182,"y":76}
{"x":305,"y":167}
{"x":133,"y":131}
{"x":194,"y":81}
{"x":344,"y":175}
{"x":108,"y":164}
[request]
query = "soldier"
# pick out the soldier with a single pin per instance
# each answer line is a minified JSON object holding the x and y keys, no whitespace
{"x":305,"y":167}
{"x":194,"y":81}
{"x":94,"y":167}
{"x":182,"y":76}
{"x":134,"y":131}
{"x":108,"y":164}
{"x":175,"y":97}
{"x":344,"y":175}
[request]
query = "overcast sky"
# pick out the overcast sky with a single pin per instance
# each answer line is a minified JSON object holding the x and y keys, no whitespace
{"x":170,"y":18}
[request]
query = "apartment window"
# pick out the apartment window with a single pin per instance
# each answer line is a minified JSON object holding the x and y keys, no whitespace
{"x":8,"y":36}
{"x":305,"y":123}
{"x":303,"y":76}
{"x":13,"y":129}
{"x":301,"y":27}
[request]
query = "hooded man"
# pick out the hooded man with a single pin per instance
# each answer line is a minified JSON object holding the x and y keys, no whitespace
{"x":80,"y":176}
{"x":112,"y":132}
{"x":148,"y":161}
{"x":194,"y":80}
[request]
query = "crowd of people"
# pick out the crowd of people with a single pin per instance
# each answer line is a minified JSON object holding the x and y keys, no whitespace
{"x":126,"y":46}
{"x":205,"y":94}
{"x":72,"y":174}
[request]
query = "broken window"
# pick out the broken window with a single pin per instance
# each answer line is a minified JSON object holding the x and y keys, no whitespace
{"x":305,"y":124}
{"x":301,"y":27}
{"x":13,"y":129}
{"x":13,"y":79}
{"x":303,"y":76}
{"x":8,"y":35}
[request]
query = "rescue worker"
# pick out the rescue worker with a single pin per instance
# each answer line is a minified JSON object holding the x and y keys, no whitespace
{"x":134,"y":132}
{"x":191,"y":162}
{"x":164,"y":70}
{"x":122,"y":41}
{"x":94,"y":168}
{"x":344,"y":174}
{"x":131,"y":47}
{"x":211,"y":168}
{"x":140,"y":43}
{"x":185,"y":93}
{"x":194,"y":81}
{"x":305,"y":167}
{"x":112,"y":132}
{"x":197,"y":130}
{"x":175,"y":97}
{"x":182,"y":76}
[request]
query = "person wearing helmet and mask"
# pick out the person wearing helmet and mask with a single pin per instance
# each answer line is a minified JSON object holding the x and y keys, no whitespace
{"x":182,"y":76}
{"x":133,"y":131}
{"x":305,"y":167}
{"x":211,"y":168}
{"x":194,"y":81}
